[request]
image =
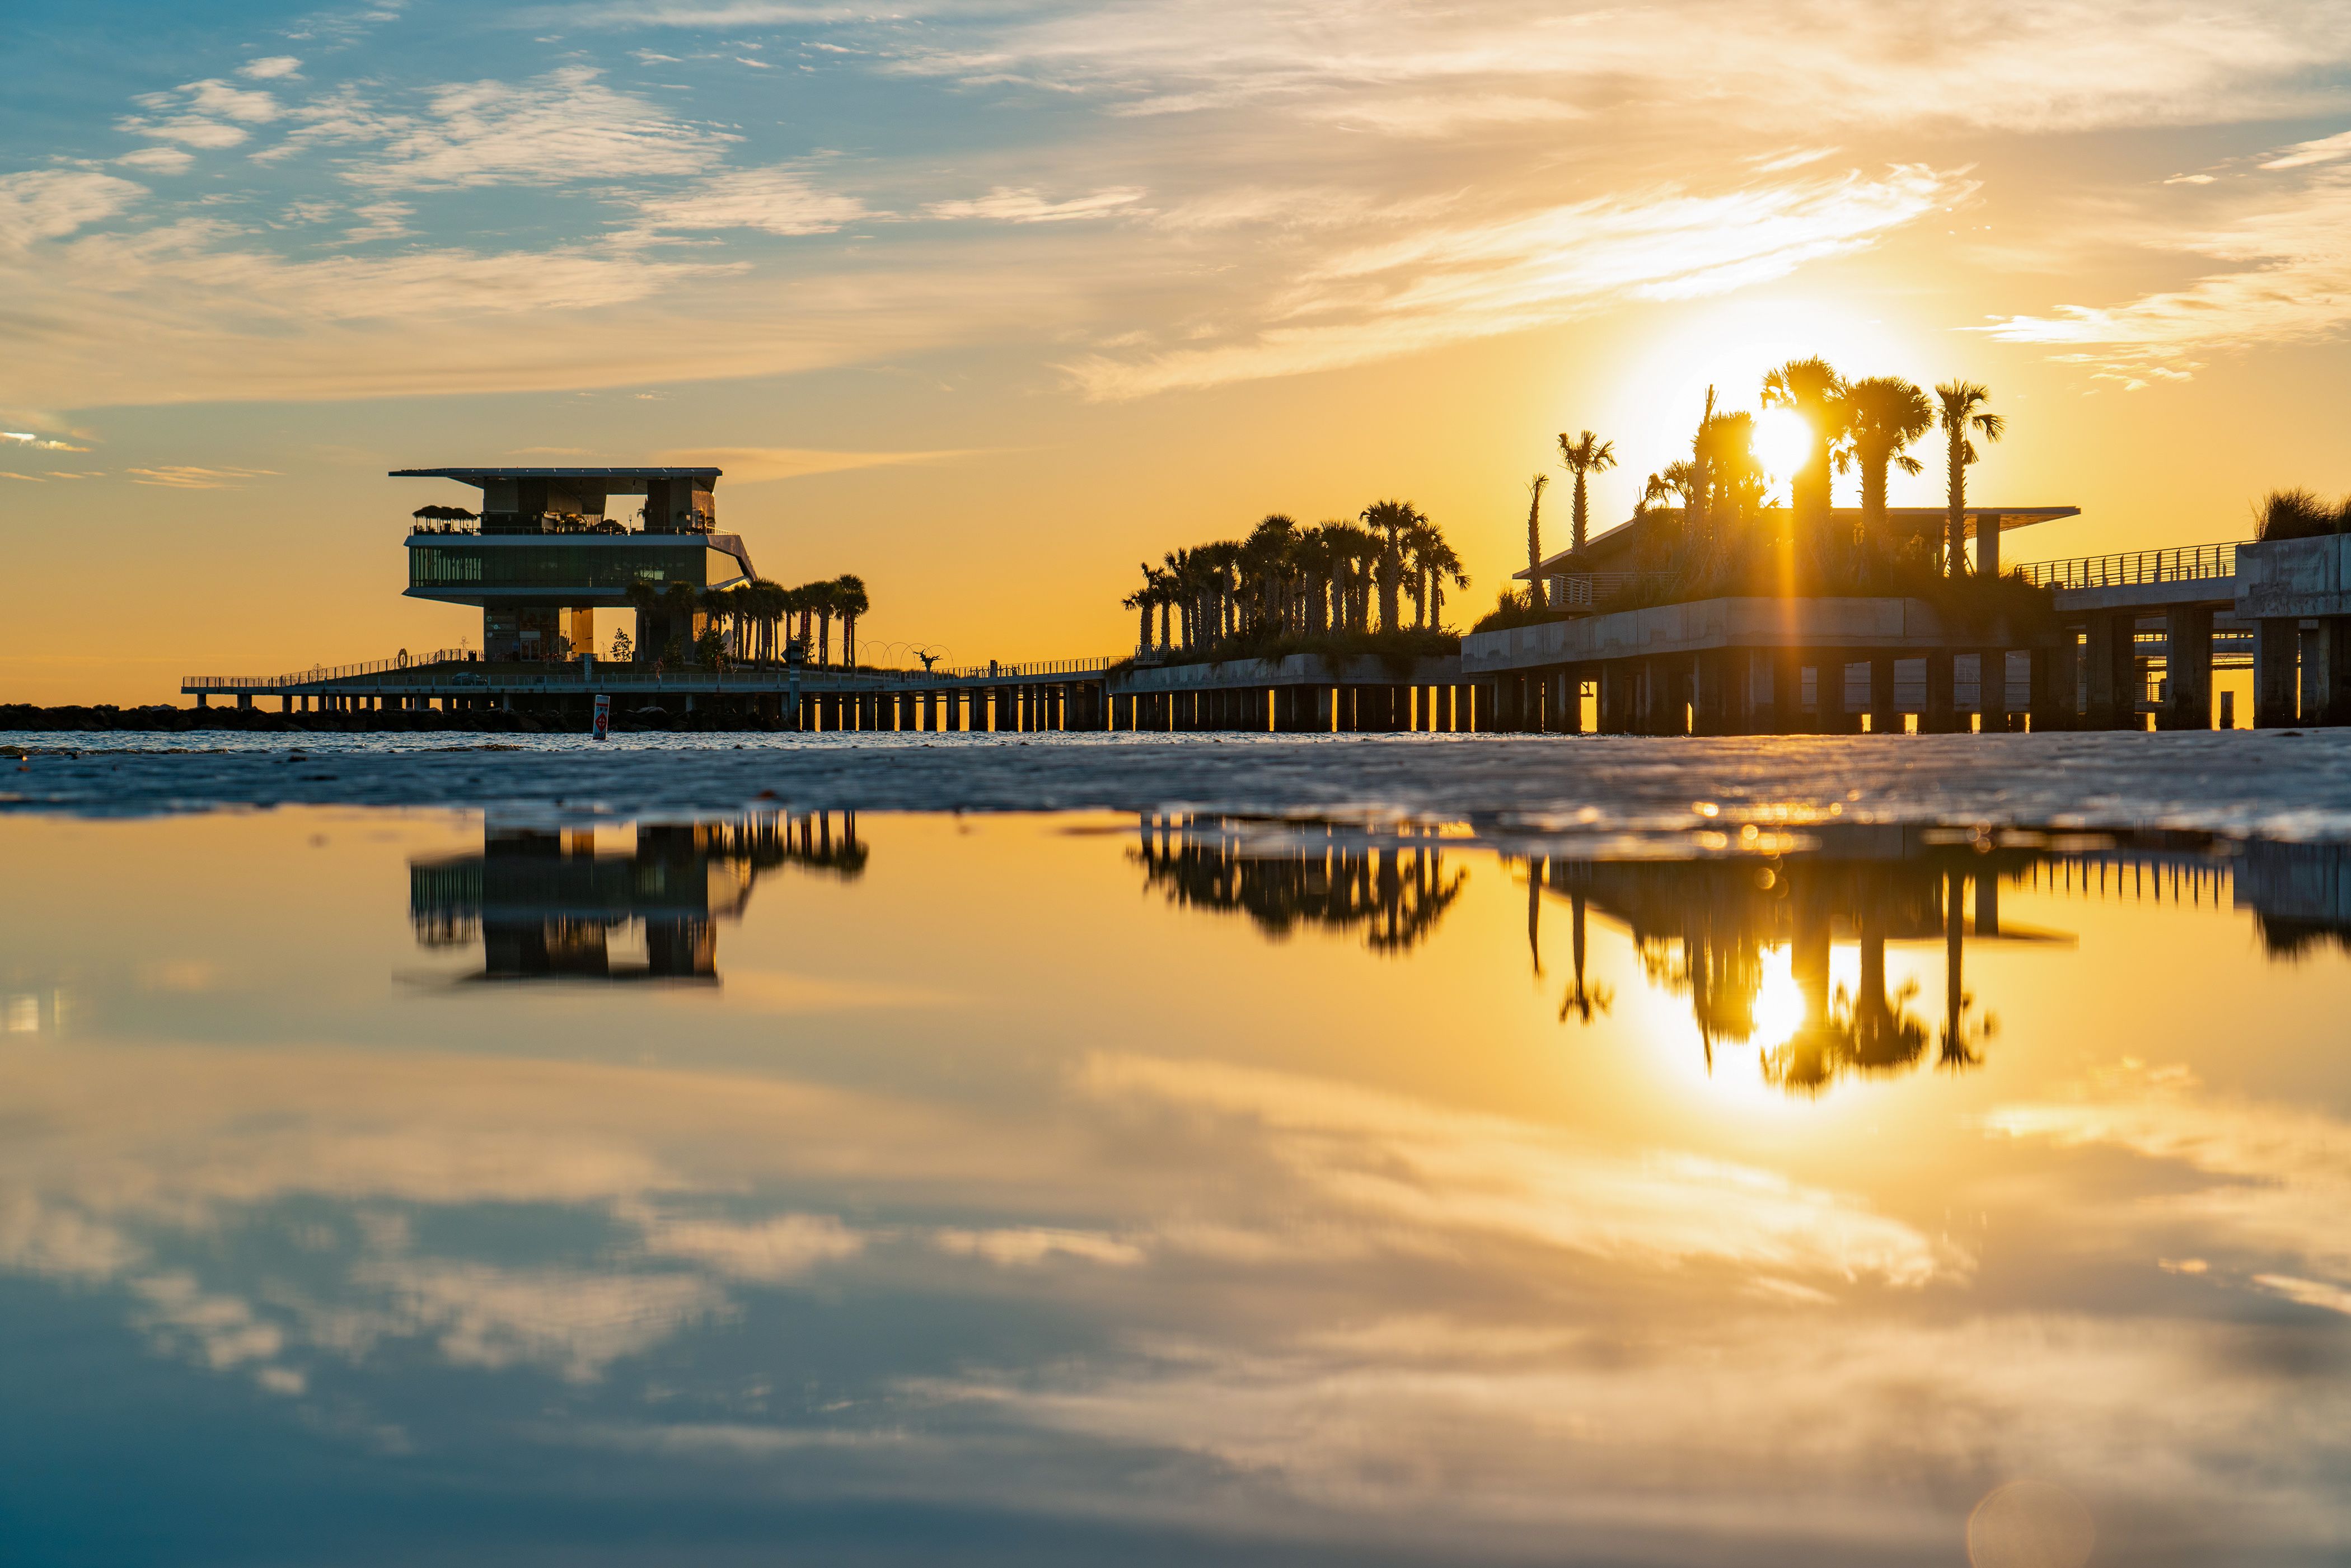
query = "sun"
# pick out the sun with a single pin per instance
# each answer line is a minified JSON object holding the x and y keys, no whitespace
{"x":1782,"y":440}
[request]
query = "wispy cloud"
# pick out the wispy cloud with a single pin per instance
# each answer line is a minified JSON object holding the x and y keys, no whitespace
{"x":270,"y":67}
{"x":47,"y":204}
{"x":2291,"y":282}
{"x":778,"y":200}
{"x":563,"y":127}
{"x":752,"y":464}
{"x":1446,"y":281}
{"x":1025,"y":206}
{"x":182,"y":476}
{"x":40,"y":443}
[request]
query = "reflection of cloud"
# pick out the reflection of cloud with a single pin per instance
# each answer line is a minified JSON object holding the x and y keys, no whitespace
{"x":1421,"y":1178}
{"x":1028,"y":1245}
{"x":571,"y":1321}
{"x":2282,"y":1174}
{"x":771,"y":1249}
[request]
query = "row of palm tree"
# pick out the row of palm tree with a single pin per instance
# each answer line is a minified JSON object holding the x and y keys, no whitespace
{"x":1722,"y":493}
{"x":1287,"y":580}
{"x":744,"y":620}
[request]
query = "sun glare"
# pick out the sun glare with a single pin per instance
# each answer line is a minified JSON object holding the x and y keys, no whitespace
{"x":1782,"y":440}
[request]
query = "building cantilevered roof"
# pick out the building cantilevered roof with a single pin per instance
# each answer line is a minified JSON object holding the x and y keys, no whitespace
{"x":615,"y":478}
{"x":1598,"y":549}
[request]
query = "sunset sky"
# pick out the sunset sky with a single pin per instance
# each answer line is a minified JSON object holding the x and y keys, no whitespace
{"x":987,"y":302}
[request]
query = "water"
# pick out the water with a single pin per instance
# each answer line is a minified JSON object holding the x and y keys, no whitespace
{"x":616,"y":1185}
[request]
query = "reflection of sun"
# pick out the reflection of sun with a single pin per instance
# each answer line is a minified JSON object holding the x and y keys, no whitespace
{"x":1779,"y":1004}
{"x":1782,"y":440}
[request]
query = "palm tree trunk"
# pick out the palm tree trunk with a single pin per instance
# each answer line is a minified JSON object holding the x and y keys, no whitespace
{"x":1956,"y":519}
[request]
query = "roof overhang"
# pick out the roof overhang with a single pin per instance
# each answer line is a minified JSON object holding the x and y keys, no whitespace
{"x":624,"y":480}
{"x":2010,"y":518}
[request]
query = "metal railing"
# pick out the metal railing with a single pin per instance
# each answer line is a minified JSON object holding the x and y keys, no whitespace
{"x":1034,"y":667}
{"x":400,"y":661}
{"x":2134,"y":569}
{"x":566,"y":523}
{"x":435,"y":669}
{"x":1588,"y":590}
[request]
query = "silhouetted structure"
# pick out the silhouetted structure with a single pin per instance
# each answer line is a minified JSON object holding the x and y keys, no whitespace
{"x":546,"y":904}
{"x":1285,"y":875}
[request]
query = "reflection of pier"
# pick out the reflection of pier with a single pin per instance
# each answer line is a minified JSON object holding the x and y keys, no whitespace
{"x":1286,"y":876}
{"x":549,"y":903}
{"x":1704,"y":926}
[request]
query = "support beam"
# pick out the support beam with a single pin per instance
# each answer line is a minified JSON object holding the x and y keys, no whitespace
{"x":2326,"y":676}
{"x":2188,"y":667}
{"x":1884,"y":711}
{"x":2112,"y":651}
{"x":2277,"y":656}
{"x":1943,"y":711}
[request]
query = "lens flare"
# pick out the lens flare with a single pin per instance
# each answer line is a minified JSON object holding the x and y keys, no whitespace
{"x":1781,"y":441}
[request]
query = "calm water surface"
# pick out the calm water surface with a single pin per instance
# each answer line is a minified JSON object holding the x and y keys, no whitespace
{"x":401,"y":1187}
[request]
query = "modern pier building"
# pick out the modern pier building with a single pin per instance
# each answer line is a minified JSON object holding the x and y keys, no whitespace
{"x":545,"y":551}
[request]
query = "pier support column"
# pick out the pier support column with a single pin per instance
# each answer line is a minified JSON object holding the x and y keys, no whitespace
{"x":1566,"y":701}
{"x":2045,"y":707}
{"x":1991,"y":690}
{"x":2188,"y":667}
{"x":1941,"y":716}
{"x":2277,"y":653}
{"x":1838,"y":715}
{"x":1618,"y":699}
{"x":2327,"y":673}
{"x":1787,"y":692}
{"x":1884,"y":711}
{"x":2114,"y":670}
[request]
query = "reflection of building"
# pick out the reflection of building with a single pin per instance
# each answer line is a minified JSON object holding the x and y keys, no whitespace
{"x":551,"y":904}
{"x":1285,"y":875}
{"x":1705,"y":927}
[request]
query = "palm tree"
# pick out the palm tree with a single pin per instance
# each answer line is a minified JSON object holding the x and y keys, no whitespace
{"x":1535,"y":488}
{"x":1814,"y":390}
{"x":1442,"y":563}
{"x":1887,"y":413}
{"x":1390,"y":519}
{"x":1963,"y":414}
{"x":849,"y":603}
{"x":1587,"y":454}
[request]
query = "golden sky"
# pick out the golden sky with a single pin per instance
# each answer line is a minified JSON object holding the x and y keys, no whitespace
{"x":986,"y":303}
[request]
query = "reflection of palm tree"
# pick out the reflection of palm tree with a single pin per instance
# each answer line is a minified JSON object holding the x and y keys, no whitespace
{"x":1397,"y":891}
{"x":1582,"y":1000}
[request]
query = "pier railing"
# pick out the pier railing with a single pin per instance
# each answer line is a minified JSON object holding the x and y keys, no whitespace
{"x":456,"y":667}
{"x":400,"y":661}
{"x":1034,"y":667}
{"x":2134,"y":569}
{"x":1589,"y":590}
